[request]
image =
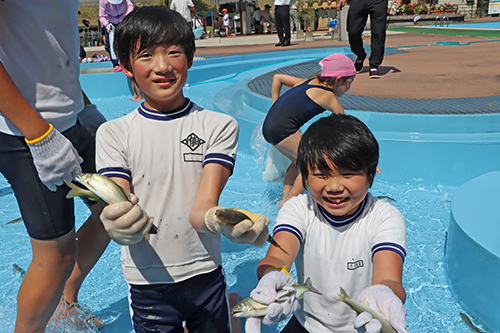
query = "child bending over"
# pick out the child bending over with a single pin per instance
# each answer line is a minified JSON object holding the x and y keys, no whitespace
{"x":300,"y":104}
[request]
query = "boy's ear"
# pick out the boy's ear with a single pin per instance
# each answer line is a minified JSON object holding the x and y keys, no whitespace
{"x":126,"y":70}
{"x":190,"y":63}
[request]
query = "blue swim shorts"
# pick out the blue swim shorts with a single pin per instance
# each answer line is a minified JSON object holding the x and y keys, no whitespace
{"x":201,"y":302}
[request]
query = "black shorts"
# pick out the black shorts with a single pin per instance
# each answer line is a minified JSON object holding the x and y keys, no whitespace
{"x":201,"y":302}
{"x":294,"y":326}
{"x":46,"y":214}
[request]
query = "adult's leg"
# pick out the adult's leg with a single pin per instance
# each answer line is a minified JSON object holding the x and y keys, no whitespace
{"x":282,"y":15}
{"x":378,"y":18}
{"x":356,"y":21}
{"x":92,"y":241}
{"x":43,"y":284}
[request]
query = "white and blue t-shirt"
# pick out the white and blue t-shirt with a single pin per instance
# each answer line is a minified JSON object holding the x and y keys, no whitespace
{"x":338,"y":253}
{"x":163,"y":155}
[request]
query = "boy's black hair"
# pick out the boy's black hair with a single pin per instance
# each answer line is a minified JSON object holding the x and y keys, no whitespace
{"x":343,"y":139}
{"x":151,"y":25}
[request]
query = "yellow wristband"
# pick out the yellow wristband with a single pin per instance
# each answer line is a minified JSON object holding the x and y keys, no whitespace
{"x":41,"y":137}
{"x":282,"y":269}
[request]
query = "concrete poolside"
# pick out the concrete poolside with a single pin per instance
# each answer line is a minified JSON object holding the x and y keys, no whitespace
{"x":425,"y":66}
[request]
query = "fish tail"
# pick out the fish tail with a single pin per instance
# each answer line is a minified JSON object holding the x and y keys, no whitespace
{"x":311,"y":288}
{"x":74,"y":192}
{"x":271,"y":240}
{"x":342,"y":297}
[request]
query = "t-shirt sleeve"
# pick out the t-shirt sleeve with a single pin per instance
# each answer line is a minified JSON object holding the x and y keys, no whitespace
{"x":111,"y":157}
{"x":388,"y":230}
{"x":222,"y":140}
{"x":293,"y":217}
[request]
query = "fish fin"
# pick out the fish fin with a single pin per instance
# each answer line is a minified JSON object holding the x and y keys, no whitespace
{"x":74,"y":192}
{"x":342,"y":297}
{"x":311,"y":287}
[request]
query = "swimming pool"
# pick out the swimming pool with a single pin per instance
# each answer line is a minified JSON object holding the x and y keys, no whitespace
{"x":219,"y":84}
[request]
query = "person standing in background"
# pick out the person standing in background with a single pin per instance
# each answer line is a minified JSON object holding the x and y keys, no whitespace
{"x":47,"y":137}
{"x":209,"y":24}
{"x":185,"y":8}
{"x":111,"y":12}
{"x":356,"y":21}
{"x":282,"y":18}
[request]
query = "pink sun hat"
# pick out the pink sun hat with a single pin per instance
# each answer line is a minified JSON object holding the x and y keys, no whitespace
{"x":336,"y":65}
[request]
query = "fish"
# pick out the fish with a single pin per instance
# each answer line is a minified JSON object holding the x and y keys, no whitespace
{"x":469,"y":323}
{"x":101,"y":189}
{"x":386,"y":198}
{"x":361,"y":307}
{"x":234,"y":217}
{"x":251,"y":308}
{"x":19,"y":269}
{"x":15,"y":220}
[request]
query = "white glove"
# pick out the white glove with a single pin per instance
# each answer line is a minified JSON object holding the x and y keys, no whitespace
{"x":91,"y":118}
{"x":126,"y":222}
{"x":383,"y":299}
{"x":280,"y":305}
{"x":55,"y":159}
{"x":253,"y":231}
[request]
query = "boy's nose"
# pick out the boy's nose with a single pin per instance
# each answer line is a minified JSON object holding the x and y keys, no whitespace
{"x":162,"y":64}
{"x":334,"y":185}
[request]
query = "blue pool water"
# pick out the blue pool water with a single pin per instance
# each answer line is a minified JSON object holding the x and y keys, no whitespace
{"x":218,"y":84}
{"x":481,"y":25}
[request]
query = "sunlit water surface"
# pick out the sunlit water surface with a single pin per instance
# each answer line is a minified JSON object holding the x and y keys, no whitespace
{"x":430,"y":303}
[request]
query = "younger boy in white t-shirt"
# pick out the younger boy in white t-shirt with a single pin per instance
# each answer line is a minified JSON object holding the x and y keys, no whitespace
{"x":338,"y":235}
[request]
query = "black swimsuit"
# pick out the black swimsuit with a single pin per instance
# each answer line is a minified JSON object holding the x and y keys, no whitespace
{"x":290,"y":111}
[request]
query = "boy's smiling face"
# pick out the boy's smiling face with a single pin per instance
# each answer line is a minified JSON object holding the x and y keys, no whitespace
{"x":161,"y":73}
{"x":339,"y":192}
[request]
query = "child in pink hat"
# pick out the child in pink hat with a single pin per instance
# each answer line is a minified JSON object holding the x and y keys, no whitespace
{"x":306,"y":99}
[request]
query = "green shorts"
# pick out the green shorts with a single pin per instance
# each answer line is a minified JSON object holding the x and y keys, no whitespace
{"x":209,"y":29}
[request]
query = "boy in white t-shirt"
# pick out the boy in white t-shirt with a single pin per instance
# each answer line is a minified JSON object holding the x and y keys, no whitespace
{"x":176,"y":157}
{"x":338,"y":235}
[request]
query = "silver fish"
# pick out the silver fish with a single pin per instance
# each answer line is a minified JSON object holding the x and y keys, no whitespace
{"x":361,"y":307}
{"x":102,"y":189}
{"x":19,"y":269}
{"x":251,"y":308}
{"x":469,"y":323}
{"x":233,"y":216}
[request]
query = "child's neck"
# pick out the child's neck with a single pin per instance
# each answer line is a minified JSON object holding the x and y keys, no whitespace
{"x":165,"y":106}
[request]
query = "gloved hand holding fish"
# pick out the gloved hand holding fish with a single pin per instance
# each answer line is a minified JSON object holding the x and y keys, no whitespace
{"x":230,"y":220}
{"x":126,"y":222}
{"x":55,"y":158}
{"x":123,"y":219}
{"x":238,"y":225}
{"x":380,"y":310}
{"x":274,"y":299}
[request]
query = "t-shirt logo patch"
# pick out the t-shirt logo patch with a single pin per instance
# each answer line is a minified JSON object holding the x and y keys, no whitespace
{"x":352,"y":265}
{"x":193,"y":141}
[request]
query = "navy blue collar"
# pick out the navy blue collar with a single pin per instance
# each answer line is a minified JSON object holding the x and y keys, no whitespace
{"x":336,"y":222}
{"x":174,"y":114}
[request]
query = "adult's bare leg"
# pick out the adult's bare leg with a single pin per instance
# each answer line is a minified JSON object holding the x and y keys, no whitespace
{"x":92,"y":241}
{"x":43,"y":284}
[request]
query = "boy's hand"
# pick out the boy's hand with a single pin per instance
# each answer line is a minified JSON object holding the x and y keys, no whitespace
{"x":91,"y":118}
{"x":55,"y":158}
{"x":280,"y":305}
{"x":126,"y":222}
{"x":382,"y":298}
{"x":232,"y":223}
